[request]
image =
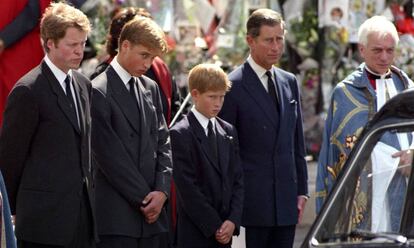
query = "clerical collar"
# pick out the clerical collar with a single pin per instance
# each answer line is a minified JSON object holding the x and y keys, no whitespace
{"x":374,"y":76}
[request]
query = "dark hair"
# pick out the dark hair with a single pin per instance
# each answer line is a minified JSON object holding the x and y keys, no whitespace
{"x":262,"y":17}
{"x":121,"y":17}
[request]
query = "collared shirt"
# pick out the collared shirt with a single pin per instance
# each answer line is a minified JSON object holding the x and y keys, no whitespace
{"x":260,"y":71}
{"x":61,"y":76}
{"x":203,"y":120}
{"x":123,"y":74}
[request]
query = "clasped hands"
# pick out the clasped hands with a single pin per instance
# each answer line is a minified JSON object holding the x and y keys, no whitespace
{"x":152,"y":206}
{"x":225,"y":232}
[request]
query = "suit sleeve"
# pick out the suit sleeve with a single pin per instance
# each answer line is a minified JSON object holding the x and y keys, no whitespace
{"x":21,"y":118}
{"x":195,"y":204}
{"x":164,"y":164}
{"x":238,"y":190}
{"x":301,"y":167}
{"x":25,"y":22}
{"x":112,"y":158}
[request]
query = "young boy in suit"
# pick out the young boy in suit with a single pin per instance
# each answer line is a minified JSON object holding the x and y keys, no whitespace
{"x":207,"y":170}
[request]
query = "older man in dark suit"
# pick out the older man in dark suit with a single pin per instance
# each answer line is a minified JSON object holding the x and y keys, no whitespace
{"x":131,"y":142}
{"x":45,"y":140}
{"x":263,"y":105}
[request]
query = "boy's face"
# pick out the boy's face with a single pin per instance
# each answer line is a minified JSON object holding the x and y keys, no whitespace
{"x":208,"y":103}
{"x":136,"y":59}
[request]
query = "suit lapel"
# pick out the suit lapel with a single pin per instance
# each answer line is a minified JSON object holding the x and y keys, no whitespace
{"x":61,"y":97}
{"x":285,"y":95}
{"x":146,"y":105}
{"x":202,"y":138}
{"x":123,"y":98}
{"x":223,"y":148}
{"x":258,"y":92}
{"x":80,"y":95}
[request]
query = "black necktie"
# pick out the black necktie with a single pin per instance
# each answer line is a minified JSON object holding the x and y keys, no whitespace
{"x":69,"y":95}
{"x":132,"y":84}
{"x":271,"y":88}
{"x":212,"y":139}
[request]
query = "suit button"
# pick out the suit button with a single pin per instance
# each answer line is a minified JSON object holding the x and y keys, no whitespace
{"x":131,"y":135}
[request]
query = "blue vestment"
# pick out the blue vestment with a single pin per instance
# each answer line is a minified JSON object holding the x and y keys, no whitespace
{"x":353,"y":104}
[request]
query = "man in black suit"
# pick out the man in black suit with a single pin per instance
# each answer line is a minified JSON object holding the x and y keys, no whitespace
{"x":131,"y":142}
{"x":45,"y":140}
{"x":264,"y":106}
{"x":207,"y":169}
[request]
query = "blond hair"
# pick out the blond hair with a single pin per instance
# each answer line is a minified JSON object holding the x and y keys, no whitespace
{"x":58,"y":17}
{"x":205,"y":77}
{"x":144,"y":31}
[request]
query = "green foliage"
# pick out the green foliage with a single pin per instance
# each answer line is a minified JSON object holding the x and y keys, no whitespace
{"x":303,"y":32}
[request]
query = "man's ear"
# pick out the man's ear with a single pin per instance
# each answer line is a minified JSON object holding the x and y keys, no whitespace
{"x":249,"y":39}
{"x":195,"y":94}
{"x":50,"y":43}
{"x":125,"y":45}
{"x":361,"y":49}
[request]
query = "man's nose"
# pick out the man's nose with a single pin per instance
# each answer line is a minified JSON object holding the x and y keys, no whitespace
{"x":384,"y":55}
{"x":79,"y":50}
{"x":147,"y":63}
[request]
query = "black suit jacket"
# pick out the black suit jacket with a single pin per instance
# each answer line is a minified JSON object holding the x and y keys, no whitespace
{"x":45,"y":156}
{"x":209,"y":192}
{"x":132,"y":152}
{"x":272,"y":147}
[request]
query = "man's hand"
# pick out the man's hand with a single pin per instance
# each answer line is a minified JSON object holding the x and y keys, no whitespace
{"x":301,"y":207}
{"x":1,"y":46}
{"x":225,"y":232}
{"x":13,"y":219}
{"x":406,"y":159}
{"x":152,"y":206}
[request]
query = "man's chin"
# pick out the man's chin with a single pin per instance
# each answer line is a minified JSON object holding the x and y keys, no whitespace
{"x":74,"y":66}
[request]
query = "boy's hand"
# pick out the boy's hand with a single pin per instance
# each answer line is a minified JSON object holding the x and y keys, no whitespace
{"x":152,"y":206}
{"x":225,"y":232}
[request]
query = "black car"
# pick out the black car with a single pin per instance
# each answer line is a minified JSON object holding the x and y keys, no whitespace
{"x":372,"y":201}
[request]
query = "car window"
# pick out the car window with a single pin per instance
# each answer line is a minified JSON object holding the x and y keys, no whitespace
{"x":382,"y":185}
{"x":370,"y":205}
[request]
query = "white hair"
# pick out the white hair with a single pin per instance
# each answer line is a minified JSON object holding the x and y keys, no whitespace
{"x":379,"y":25}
